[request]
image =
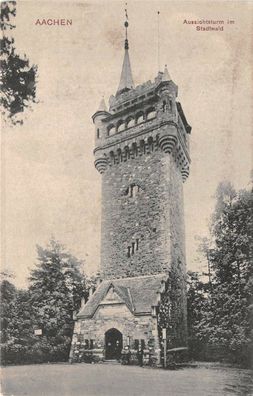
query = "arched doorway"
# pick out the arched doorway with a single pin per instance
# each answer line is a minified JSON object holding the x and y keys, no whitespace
{"x":113,"y":344}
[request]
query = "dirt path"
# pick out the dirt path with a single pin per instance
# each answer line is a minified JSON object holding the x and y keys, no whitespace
{"x":117,"y":380}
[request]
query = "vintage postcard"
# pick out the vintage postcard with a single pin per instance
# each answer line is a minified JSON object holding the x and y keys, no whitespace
{"x":126,"y":211}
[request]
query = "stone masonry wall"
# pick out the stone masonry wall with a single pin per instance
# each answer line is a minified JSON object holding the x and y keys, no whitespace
{"x":119,"y":317}
{"x":177,"y":293}
{"x":154,"y":216}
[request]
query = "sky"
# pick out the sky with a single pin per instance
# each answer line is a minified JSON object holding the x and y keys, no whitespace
{"x":50,"y":185}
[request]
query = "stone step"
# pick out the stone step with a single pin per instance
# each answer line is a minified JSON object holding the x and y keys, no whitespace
{"x":111,"y":361}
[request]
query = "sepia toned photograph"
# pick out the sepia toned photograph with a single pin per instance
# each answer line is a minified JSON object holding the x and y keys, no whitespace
{"x":126,"y":198}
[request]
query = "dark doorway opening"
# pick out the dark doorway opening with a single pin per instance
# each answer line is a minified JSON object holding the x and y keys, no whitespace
{"x":113,"y":344}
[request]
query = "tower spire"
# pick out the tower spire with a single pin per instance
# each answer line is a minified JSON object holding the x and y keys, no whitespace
{"x":166,"y":75}
{"x":102,"y":105}
{"x":126,"y":78}
{"x":126,"y":26}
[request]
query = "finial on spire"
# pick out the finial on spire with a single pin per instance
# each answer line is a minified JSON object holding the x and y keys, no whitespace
{"x":126,"y":79}
{"x":166,"y":76}
{"x":126,"y":26}
{"x":158,"y":40}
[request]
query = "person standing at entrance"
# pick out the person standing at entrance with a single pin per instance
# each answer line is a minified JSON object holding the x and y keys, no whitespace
{"x":140,"y":354}
{"x":118,"y":350}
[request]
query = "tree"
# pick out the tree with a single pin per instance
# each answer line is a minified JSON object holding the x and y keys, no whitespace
{"x":55,"y":292}
{"x":17,"y":335}
{"x":171,"y":313}
{"x":56,"y":289}
{"x":226,"y":320}
{"x":8,"y":293}
{"x":18,"y":77}
{"x":197,"y":302}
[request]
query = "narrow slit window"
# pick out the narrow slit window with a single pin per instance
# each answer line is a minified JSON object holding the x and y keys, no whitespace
{"x":142,"y":147}
{"x":133,"y":248}
{"x":133,"y":190}
{"x":137,"y":244}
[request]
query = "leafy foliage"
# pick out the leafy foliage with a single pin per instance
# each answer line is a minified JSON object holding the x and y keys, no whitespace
{"x":7,"y":292}
{"x":221,"y":312}
{"x":197,"y":303}
{"x":55,"y":292}
{"x":16,"y":323}
{"x":56,"y":288}
{"x":18,"y":77}
{"x":171,"y":315}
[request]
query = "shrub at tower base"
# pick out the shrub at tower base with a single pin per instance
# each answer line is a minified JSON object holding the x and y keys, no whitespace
{"x":220,"y":312}
{"x":171,"y":317}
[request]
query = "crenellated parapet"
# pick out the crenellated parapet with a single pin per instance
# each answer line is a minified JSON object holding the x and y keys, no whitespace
{"x":140,"y":121}
{"x":163,"y":139}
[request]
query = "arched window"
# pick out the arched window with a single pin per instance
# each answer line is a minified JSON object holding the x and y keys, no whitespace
{"x":111,"y":130}
{"x":150,"y":144}
{"x":139,"y":118}
{"x":134,"y":150}
{"x":121,"y":126}
{"x":151,"y":113}
{"x":112,"y":157}
{"x":132,"y":248}
{"x":142,"y":147}
{"x":133,"y":190}
{"x":126,"y":153}
{"x":98,"y":133}
{"x":119,"y":155}
{"x":130,"y":122}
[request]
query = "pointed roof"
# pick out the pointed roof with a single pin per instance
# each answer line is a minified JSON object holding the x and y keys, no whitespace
{"x":138,"y":293}
{"x":166,"y":76}
{"x":126,"y":78}
{"x":119,"y":295}
{"x":101,"y":109}
{"x":102,"y":106}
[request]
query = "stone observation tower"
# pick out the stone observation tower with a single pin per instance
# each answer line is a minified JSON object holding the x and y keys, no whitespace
{"x":142,"y":153}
